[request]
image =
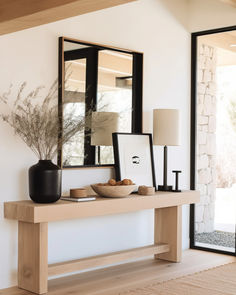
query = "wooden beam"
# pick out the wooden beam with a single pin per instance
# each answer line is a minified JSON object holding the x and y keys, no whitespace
{"x":121,"y":65}
{"x":16,"y":15}
{"x":105,"y":79}
{"x":221,"y":40}
{"x":106,"y":259}
{"x":230,"y":2}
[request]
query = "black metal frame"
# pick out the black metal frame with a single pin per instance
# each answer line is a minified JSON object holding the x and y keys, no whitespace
{"x":137,"y":92}
{"x":117,"y":153}
{"x":193,"y":133}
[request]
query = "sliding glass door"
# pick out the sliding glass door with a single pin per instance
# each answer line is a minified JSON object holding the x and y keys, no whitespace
{"x":213,"y":140}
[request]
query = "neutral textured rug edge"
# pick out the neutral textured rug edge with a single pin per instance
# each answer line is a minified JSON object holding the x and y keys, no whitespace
{"x":176,"y":278}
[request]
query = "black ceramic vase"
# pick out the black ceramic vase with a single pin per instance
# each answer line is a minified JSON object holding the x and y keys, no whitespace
{"x":45,"y":182}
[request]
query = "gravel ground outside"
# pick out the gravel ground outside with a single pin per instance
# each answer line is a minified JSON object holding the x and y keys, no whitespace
{"x":218,"y":238}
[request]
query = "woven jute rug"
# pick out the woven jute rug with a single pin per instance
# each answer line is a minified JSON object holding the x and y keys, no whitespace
{"x":217,"y":281}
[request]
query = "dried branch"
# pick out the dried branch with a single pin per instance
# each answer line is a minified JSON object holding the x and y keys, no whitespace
{"x":37,"y":123}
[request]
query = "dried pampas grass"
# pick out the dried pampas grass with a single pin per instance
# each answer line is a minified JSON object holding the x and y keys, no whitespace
{"x":36,"y":121}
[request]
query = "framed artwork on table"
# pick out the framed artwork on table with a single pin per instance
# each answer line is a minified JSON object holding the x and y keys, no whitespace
{"x":133,"y":154}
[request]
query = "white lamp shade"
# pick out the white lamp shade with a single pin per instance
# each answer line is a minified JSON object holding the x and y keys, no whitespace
{"x":103,"y":125}
{"x":166,"y":127}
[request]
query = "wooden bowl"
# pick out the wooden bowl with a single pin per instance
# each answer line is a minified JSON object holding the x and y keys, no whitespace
{"x":118,"y":191}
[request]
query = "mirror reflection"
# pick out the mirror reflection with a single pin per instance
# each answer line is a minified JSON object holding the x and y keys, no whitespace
{"x":98,"y":86}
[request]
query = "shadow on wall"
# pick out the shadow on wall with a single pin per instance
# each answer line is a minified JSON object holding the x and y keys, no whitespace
{"x":14,"y":247}
{"x":23,"y":184}
{"x":178,"y":9}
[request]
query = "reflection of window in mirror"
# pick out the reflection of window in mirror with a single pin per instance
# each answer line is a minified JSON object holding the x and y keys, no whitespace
{"x":74,"y":103}
{"x":114,"y":94}
{"x":98,"y":79}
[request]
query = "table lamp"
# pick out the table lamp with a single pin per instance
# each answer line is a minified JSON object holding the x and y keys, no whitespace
{"x":103,"y":125}
{"x":166,"y":133}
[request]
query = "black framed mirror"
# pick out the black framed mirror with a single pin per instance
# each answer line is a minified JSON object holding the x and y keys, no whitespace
{"x":103,"y":86}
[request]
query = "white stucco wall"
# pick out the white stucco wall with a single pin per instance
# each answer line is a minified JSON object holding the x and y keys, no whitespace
{"x":210,"y":14}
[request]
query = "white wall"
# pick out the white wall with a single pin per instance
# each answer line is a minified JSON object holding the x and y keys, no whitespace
{"x":210,"y":14}
{"x":156,"y":27}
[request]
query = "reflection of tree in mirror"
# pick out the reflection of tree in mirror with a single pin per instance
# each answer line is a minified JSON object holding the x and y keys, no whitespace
{"x":118,"y":101}
{"x":73,"y":151}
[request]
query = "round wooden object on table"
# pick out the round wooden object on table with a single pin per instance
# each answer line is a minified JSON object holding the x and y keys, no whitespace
{"x":146,"y":190}
{"x":78,"y":193}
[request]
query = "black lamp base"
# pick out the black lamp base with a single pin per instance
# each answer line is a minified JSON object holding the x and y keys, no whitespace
{"x":165,"y":188}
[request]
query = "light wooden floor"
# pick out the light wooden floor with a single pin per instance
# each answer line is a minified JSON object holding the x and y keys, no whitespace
{"x":112,"y":280}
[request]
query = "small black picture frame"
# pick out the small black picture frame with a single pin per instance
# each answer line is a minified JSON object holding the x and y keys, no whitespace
{"x":133,"y":154}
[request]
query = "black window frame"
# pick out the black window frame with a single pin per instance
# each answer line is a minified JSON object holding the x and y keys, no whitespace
{"x":193,"y":127}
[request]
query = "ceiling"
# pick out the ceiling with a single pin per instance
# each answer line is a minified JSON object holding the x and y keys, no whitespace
{"x":226,"y":40}
{"x":16,"y":15}
{"x":111,"y":66}
{"x":226,"y":44}
{"x":230,"y":2}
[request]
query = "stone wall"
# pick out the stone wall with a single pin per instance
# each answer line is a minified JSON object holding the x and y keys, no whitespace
{"x":206,"y":138}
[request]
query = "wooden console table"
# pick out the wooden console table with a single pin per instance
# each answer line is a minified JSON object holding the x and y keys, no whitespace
{"x":33,"y":268}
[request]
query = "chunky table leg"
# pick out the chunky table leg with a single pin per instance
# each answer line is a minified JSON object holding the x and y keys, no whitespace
{"x":168,"y":229}
{"x":33,"y":257}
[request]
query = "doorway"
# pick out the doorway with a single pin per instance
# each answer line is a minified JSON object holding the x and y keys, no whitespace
{"x":213,"y":140}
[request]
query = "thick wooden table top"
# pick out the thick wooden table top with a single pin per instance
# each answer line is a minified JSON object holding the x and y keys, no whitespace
{"x":29,"y":211}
